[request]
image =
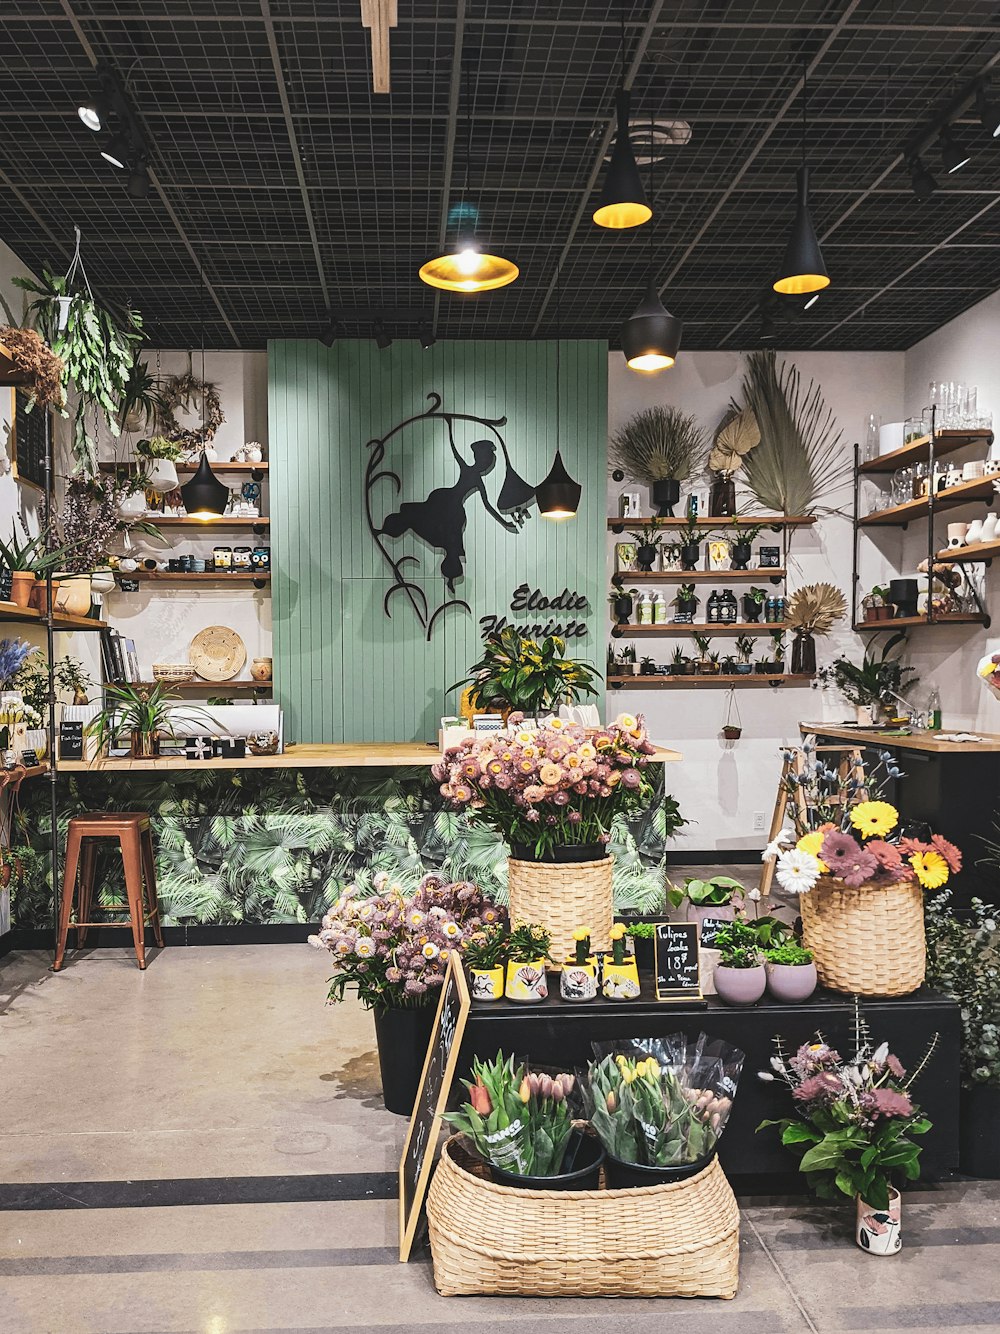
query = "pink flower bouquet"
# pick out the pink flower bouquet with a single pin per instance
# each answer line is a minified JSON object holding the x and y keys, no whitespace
{"x":557,"y":786}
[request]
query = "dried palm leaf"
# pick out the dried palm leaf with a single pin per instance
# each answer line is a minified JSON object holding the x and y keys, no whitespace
{"x":799,"y":460}
{"x":815,"y":607}
{"x":738,"y":433}
{"x":658,"y":444}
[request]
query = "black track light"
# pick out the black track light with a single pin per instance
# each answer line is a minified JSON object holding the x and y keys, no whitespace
{"x":138,"y":181}
{"x":953,"y":157}
{"x":426,"y":335}
{"x":989,"y":113}
{"x":382,"y":338}
{"x":329,"y":334}
{"x":922,"y":182}
{"x":558,"y":496}
{"x":116,"y":151}
{"x":651,"y":336}
{"x":205,"y":497}
{"x":94,"y":112}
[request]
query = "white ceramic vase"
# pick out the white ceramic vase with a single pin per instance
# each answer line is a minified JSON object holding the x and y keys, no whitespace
{"x":957,"y":534}
{"x":988,"y":532}
{"x":163,"y":475}
{"x":133,"y":506}
{"x":974,"y":532}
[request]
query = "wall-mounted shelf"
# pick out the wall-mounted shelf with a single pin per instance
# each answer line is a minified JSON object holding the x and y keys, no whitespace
{"x":621,"y":577}
{"x":978,"y":551}
{"x":898,"y":516}
{"x":254,"y":470}
{"x":242,"y":579}
{"x":231,"y":521}
{"x":213,"y":687}
{"x":922,"y":623}
{"x":773,"y":521}
{"x":626,"y":630}
{"x":918,"y":451}
{"x":60,"y":620}
{"x":679,"y":682}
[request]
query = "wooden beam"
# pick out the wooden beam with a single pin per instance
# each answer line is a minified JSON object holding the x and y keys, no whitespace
{"x":378,"y":16}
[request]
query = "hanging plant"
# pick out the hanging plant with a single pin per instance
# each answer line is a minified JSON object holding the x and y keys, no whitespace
{"x":34,"y":358}
{"x":185,"y":391}
{"x":142,"y":401}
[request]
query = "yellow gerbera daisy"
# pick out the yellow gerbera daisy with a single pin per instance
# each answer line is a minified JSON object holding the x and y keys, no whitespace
{"x":812,"y":843}
{"x":931,"y":869}
{"x":874,"y":819}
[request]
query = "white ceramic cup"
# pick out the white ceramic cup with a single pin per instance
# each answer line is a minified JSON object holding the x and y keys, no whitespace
{"x":956,"y":534}
{"x":973,"y":469}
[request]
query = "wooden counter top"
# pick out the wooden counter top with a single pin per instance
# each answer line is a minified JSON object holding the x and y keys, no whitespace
{"x":927,"y":742}
{"x":342,"y":755}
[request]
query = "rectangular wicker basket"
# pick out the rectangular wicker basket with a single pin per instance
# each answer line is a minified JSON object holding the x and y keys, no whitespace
{"x":680,"y":1239}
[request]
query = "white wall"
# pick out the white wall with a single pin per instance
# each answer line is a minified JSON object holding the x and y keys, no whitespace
{"x":720,"y":785}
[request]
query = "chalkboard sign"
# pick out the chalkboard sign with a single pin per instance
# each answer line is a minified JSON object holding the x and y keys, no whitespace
{"x":676,"y":959}
{"x":27,"y":440}
{"x":432,"y":1100}
{"x":29,"y":758}
{"x":710,"y":928}
{"x":70,"y":740}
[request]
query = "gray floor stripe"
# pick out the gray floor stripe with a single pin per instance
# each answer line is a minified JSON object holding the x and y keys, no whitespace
{"x":912,"y":1237}
{"x":958,"y":1315}
{"x":209,"y":1260}
{"x":638,"y":1316}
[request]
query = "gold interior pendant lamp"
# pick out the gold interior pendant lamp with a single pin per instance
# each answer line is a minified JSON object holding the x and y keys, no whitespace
{"x":623,"y":200}
{"x":803,"y":269}
{"x":468,"y":267}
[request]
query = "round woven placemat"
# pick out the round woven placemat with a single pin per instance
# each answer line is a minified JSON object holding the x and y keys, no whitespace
{"x":217,"y":653}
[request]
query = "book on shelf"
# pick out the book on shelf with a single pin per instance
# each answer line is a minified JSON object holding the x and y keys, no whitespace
{"x":119,"y":658}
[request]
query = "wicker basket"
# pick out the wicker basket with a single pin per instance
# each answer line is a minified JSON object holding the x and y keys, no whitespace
{"x":676,"y":1240}
{"x":867,"y":941}
{"x":562,"y":896}
{"x":172,"y":671}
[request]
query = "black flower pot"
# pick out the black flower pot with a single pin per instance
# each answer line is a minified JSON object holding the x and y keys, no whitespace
{"x":741,"y":553}
{"x":803,"y":653}
{"x":665,"y":496}
{"x":620,"y":1175}
{"x":978,"y":1143}
{"x":903,"y":596}
{"x":751,"y":609}
{"x":687,"y":606}
{"x":402,"y":1036}
{"x":584,"y":1157}
{"x":570,"y":852}
{"x":762,"y":668}
{"x":690,"y":555}
{"x":645,"y":555}
{"x":623,"y":607}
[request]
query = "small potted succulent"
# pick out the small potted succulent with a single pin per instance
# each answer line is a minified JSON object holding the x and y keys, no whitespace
{"x":744,"y":651}
{"x":648,"y":539}
{"x":791,"y":973}
{"x":578,"y":979}
{"x":741,"y":549}
{"x":690,"y":541}
{"x":619,"y":974}
{"x":626,"y":661}
{"x":647,"y":667}
{"x":485,"y":956}
{"x":740,"y":976}
{"x":753,"y":604}
{"x":528,"y":948}
{"x":763,"y":667}
{"x":686,"y":600}
{"x":678,"y":662}
{"x":728,"y":665}
{"x":704,"y":664}
{"x":706,"y":898}
{"x":623,"y":604}
{"x":27,"y":562}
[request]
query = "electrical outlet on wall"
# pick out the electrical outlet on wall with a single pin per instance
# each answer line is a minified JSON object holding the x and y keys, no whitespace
{"x":758,"y":822}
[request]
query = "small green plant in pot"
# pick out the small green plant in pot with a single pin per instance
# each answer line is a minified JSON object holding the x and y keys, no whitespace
{"x":27,"y":562}
{"x":527,"y":952}
{"x":686,"y":600}
{"x":744,"y":651}
{"x":791,"y":973}
{"x":648,"y":539}
{"x":712,"y":898}
{"x":743,"y":536}
{"x":142,"y":713}
{"x":753,"y":604}
{"x":485,"y":955}
{"x":690,"y":539}
{"x":678,"y":662}
{"x":641,"y":935}
{"x":623,"y":604}
{"x":740,"y":977}
{"x":160,"y":457}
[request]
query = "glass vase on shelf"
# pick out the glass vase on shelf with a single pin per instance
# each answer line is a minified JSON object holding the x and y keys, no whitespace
{"x":869,"y":447}
{"x":803,"y":653}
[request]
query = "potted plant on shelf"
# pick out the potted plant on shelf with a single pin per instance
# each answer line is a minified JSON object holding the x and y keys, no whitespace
{"x":740,"y":976}
{"x":623,"y":604}
{"x":84,"y":527}
{"x":686,"y":600}
{"x":648,"y":539}
{"x":878,"y":683}
{"x":626,"y":661}
{"x":578,"y":979}
{"x":160,"y":457}
{"x":875,"y":604}
{"x":69,"y":676}
{"x":854,"y":1129}
{"x":678,"y":662}
{"x":744,"y":645}
{"x":812,"y":610}
{"x":521,"y":1125}
{"x":619,"y":973}
{"x":528,"y":948}
{"x":485,"y":956}
{"x":712,"y":898}
{"x":728,"y":665}
{"x":777,"y":664}
{"x":744,"y":535}
{"x":392,"y":950}
{"x":659,"y":447}
{"x":143,"y":713}
{"x":641,"y":935}
{"x":791,"y":973}
{"x":705,"y":664}
{"x":524,"y":675}
{"x":753,"y":604}
{"x":647,"y":667}
{"x":690,"y":539}
{"x":738,"y":433}
{"x":28,"y":561}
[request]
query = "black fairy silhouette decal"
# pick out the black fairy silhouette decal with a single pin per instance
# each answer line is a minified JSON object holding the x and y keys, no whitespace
{"x":440,"y":520}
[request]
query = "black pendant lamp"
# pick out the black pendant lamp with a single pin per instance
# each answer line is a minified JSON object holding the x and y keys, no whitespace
{"x":558,"y":496}
{"x":651,"y":336}
{"x":467,"y":267}
{"x":802,"y":269}
{"x":623,"y":200}
{"x":204,"y":496}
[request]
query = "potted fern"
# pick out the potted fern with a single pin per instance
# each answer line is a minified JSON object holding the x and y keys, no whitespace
{"x":742,"y":549}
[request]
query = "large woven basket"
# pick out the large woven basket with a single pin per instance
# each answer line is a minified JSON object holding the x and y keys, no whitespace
{"x":676,"y":1240}
{"x":562,"y":896}
{"x":867,"y":941}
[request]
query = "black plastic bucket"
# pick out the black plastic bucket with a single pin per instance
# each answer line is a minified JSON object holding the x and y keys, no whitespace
{"x":584,"y":1152}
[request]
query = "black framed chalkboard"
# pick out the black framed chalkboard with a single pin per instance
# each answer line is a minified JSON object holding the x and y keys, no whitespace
{"x":678,"y":977}
{"x":710,"y":928}
{"x":27,"y":440}
{"x":432,"y":1099}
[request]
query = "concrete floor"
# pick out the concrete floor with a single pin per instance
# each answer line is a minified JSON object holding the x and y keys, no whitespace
{"x":202,"y":1148}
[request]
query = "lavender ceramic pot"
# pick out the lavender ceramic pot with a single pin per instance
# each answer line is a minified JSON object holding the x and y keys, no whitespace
{"x":791,"y":983}
{"x":740,"y":986}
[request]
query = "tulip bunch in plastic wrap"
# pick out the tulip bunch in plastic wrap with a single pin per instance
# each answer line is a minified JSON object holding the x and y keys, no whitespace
{"x":662,"y":1102}
{"x":519,"y":1121}
{"x":394,"y":949}
{"x":557,"y":785}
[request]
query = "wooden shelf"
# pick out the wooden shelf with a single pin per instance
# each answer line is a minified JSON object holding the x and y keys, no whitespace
{"x":232,"y":522}
{"x":678,"y":682}
{"x":696,"y":576}
{"x":918,"y":451}
{"x":698,"y":628}
{"x":978,"y":551}
{"x":196,"y":577}
{"x":33,"y":771}
{"x":922,"y":623}
{"x":774,"y":521}
{"x":111,"y":465}
{"x":979,"y":488}
{"x":213,"y":687}
{"x":60,"y":620}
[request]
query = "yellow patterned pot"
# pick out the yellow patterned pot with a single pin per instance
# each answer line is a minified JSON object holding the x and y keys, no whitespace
{"x":487,"y":983}
{"x":526,"y":981}
{"x":578,"y":981}
{"x":620,"y":980}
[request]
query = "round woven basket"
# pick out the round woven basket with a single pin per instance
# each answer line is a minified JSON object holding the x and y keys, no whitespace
{"x":562,"y":896}
{"x":674,"y":1240}
{"x":867,"y":941}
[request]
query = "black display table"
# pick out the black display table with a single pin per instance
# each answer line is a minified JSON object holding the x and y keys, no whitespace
{"x":555,"y":1033}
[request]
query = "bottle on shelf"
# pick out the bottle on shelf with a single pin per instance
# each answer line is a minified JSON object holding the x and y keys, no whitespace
{"x":728,"y":607}
{"x":644,"y":610}
{"x":934,"y":710}
{"x":713,"y":609}
{"x":660,"y":610}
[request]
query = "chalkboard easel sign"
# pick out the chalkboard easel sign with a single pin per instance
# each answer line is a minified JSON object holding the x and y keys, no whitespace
{"x":678,"y":977}
{"x":27,"y":439}
{"x":710,"y":928}
{"x":432,"y":1099}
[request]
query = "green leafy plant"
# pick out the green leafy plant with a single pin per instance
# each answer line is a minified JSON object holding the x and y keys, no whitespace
{"x":701,"y":643}
{"x":963,"y":961}
{"x":141,"y":399}
{"x":793,"y":956}
{"x":32,"y":554}
{"x":691,"y":535}
{"x":739,"y":946}
{"x":648,"y":535}
{"x":658,"y":444}
{"x":641,"y":930}
{"x":518,"y":673}
{"x":528,"y":942}
{"x":756,"y":594}
{"x":685,"y":593}
{"x":879,"y":679}
{"x":746,"y":533}
{"x":581,"y":945}
{"x":677,"y":657}
{"x":744,"y":645}
{"x":97,"y":351}
{"x":159,"y":447}
{"x":146,"y":710}
{"x":715,"y":892}
{"x":70,"y":678}
{"x":488,"y":948}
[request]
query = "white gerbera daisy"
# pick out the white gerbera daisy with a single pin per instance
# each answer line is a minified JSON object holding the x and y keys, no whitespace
{"x":797,"y":871}
{"x":785,"y":839}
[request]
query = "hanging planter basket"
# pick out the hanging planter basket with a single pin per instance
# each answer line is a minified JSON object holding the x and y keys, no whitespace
{"x":732,"y":726}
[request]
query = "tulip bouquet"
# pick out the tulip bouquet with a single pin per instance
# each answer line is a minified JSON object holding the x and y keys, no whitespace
{"x":558,"y":785}
{"x":519,"y":1121}
{"x":667,"y":1102}
{"x":393,"y":949}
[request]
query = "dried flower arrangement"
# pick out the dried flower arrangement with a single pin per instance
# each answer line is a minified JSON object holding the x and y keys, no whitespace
{"x":34,"y":358}
{"x":815,"y":608}
{"x":186,"y":391}
{"x":738,"y":433}
{"x":85,"y":525}
{"x":658,"y":444}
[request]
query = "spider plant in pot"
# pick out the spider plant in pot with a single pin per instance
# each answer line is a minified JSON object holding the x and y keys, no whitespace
{"x":660,"y":447}
{"x":690,"y":540}
{"x":142,"y":713}
{"x":485,"y":956}
{"x":744,"y":645}
{"x":686,"y":600}
{"x":736,"y":436}
{"x":141,"y":399}
{"x":161,"y":457}
{"x":812,"y":610}
{"x":753,"y":604}
{"x":744,"y":535}
{"x":648,"y":539}
{"x":740,"y":976}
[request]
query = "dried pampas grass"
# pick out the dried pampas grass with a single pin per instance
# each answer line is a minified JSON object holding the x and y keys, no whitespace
{"x":658,"y":444}
{"x":34,"y":358}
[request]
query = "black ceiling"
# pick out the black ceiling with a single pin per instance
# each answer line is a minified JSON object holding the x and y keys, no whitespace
{"x":348,"y":189}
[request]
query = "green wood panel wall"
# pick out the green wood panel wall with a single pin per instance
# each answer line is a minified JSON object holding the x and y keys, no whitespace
{"x":343,"y":670}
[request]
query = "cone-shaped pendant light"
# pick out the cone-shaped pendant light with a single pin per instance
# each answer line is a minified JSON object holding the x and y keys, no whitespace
{"x":205,"y":497}
{"x":558,"y":496}
{"x":467,"y":266}
{"x":623,"y":200}
{"x":802,"y":269}
{"x":651,"y":336}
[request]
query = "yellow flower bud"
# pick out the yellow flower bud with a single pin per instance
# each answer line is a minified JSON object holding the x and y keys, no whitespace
{"x":524,"y":1092}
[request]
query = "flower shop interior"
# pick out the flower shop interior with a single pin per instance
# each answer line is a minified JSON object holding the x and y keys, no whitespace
{"x":499,"y":718}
